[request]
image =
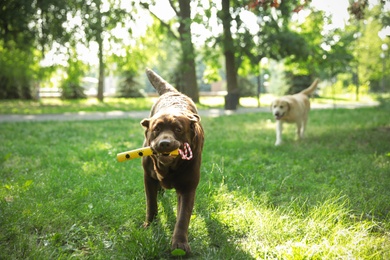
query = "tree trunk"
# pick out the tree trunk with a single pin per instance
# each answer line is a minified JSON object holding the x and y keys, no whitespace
{"x":188,"y":83}
{"x":99,"y":40}
{"x":232,"y":98}
{"x":100,"y":90}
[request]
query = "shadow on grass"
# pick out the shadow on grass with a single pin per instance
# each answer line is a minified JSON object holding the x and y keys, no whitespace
{"x":220,"y":243}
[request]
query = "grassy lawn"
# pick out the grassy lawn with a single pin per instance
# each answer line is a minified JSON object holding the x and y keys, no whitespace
{"x":63,"y":195}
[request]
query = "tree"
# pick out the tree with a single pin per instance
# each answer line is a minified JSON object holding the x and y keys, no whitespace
{"x":232,"y":97}
{"x":368,"y":49}
{"x":98,"y":20}
{"x":134,"y":58}
{"x":185,"y":72}
{"x":329,"y":51}
{"x":71,"y":85}
{"x":243,"y":49}
{"x":25,"y":28}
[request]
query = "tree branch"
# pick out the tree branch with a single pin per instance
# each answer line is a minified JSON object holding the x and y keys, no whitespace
{"x":174,"y":9}
{"x":164,"y":24}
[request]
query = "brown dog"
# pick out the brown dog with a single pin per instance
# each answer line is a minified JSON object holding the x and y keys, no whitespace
{"x":174,"y":123}
{"x":292,"y":109}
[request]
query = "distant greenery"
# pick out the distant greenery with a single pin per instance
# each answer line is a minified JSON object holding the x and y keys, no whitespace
{"x":56,"y":43}
{"x":63,"y":195}
{"x":58,"y":106}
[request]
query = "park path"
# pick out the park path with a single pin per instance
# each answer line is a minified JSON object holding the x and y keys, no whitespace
{"x":142,"y":114}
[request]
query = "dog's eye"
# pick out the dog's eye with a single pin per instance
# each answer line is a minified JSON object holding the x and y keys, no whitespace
{"x":178,"y":130}
{"x":156,"y":129}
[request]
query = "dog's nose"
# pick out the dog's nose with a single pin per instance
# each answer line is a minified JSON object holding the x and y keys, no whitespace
{"x":164,"y":144}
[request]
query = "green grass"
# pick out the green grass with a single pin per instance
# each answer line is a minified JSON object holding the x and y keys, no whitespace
{"x":58,"y":106}
{"x":63,"y":195}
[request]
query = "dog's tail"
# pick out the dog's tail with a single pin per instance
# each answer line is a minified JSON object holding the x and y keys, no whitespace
{"x":159,"y":83}
{"x":308,"y":91}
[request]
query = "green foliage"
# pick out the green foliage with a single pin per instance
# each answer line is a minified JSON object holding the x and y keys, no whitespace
{"x":18,"y":74}
{"x":71,"y":85}
{"x":278,"y":82}
{"x":16,"y":18}
{"x":248,"y":87}
{"x":129,"y":87}
{"x":29,"y":30}
{"x":63,"y":195}
{"x":297,"y":83}
{"x":368,"y":49}
{"x":272,"y":38}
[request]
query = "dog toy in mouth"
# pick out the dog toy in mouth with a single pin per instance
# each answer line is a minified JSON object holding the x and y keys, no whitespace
{"x":186,"y":153}
{"x":137,"y":153}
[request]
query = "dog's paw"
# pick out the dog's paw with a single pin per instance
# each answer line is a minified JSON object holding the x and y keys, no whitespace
{"x":146,"y":224}
{"x":181,"y":246}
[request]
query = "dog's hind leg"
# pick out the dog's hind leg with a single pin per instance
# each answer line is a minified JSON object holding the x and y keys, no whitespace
{"x":301,"y":128}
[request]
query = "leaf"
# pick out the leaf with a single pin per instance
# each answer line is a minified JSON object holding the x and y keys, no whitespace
{"x":178,"y":252}
{"x":27,"y":184}
{"x":7,"y":156}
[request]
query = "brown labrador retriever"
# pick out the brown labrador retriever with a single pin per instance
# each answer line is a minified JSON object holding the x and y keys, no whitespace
{"x":174,"y":123}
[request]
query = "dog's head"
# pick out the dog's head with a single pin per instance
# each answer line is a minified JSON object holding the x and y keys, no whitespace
{"x":169,"y":130}
{"x":280,"y":108}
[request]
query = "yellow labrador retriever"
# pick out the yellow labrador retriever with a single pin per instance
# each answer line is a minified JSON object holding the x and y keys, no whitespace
{"x":292,"y":109}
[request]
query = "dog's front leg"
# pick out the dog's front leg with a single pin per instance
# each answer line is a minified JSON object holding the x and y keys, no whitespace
{"x":151,"y":190}
{"x":300,"y":130}
{"x":185,"y":204}
{"x":279,"y":130}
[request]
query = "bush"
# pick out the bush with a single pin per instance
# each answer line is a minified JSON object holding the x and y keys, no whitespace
{"x":129,"y":87}
{"x":16,"y":74}
{"x":72,"y":90}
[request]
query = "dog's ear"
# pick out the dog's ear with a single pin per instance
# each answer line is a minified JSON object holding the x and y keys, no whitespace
{"x":288,"y":105}
{"x":194,"y":118}
{"x":145,"y":122}
{"x":194,"y":121}
{"x":197,"y":131}
{"x":272,"y":105}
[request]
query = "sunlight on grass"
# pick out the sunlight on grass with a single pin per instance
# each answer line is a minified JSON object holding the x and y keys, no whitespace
{"x":327,"y":231}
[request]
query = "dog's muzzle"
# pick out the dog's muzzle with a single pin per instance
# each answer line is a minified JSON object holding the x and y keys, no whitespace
{"x":278,"y":115}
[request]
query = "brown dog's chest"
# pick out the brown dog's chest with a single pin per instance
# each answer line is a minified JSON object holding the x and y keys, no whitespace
{"x":183,"y":175}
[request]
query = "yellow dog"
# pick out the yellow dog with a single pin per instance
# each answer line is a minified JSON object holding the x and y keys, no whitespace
{"x":292,"y":109}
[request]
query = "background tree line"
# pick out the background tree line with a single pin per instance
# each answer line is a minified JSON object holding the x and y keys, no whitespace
{"x":130,"y":35}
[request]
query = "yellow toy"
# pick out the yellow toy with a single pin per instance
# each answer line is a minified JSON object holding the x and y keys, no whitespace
{"x":140,"y":152}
